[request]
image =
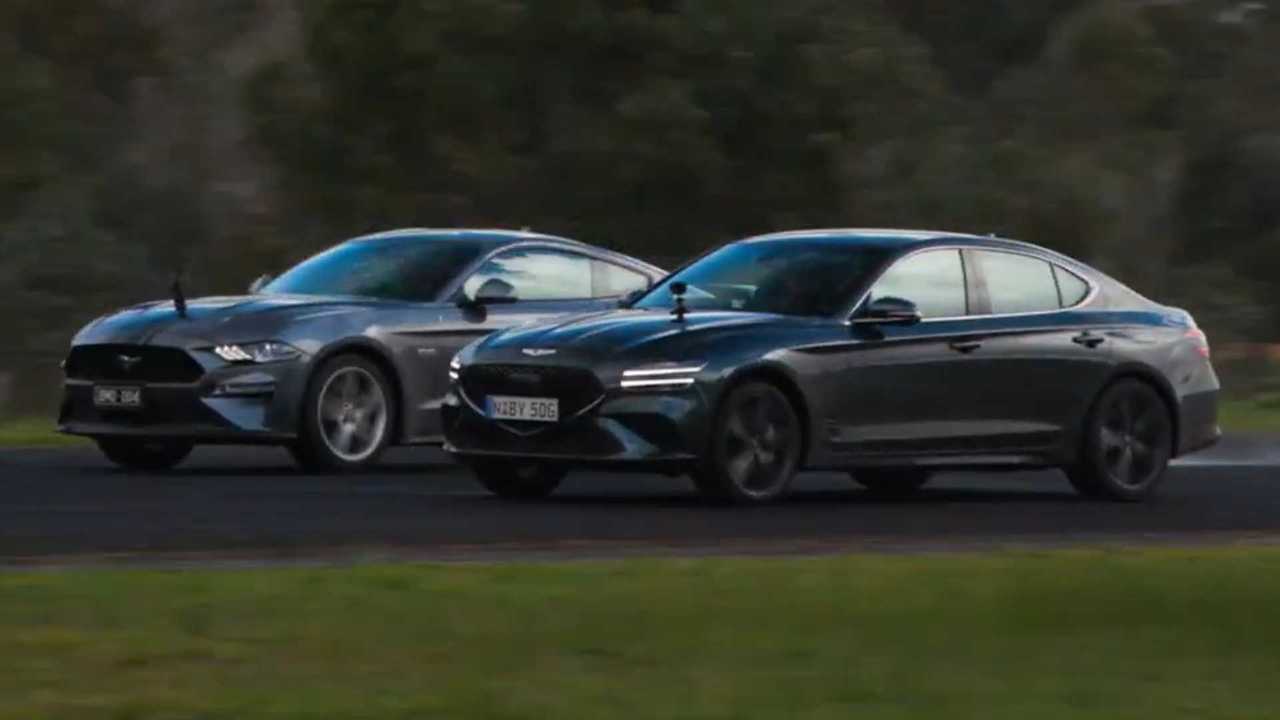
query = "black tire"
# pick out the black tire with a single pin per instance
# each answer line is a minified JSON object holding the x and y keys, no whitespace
{"x":892,"y":483}
{"x":755,"y":447}
{"x":365,"y":417}
{"x":518,"y":480}
{"x":145,"y":454}
{"x":1128,"y":441}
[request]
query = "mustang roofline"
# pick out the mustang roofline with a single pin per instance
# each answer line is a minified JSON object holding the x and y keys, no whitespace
{"x":513,"y":235}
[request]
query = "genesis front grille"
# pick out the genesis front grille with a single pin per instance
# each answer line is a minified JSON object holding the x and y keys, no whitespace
{"x":132,"y":363}
{"x":576,"y":388}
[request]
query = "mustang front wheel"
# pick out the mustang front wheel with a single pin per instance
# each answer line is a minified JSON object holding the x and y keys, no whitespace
{"x":346,"y":416}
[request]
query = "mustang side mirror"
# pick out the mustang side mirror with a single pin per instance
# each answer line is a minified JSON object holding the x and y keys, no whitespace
{"x":629,"y":299}
{"x":889,"y":311}
{"x":260,"y":282}
{"x":494,"y":291}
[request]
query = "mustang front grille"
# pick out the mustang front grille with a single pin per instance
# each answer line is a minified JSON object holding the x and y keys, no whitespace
{"x":132,"y":363}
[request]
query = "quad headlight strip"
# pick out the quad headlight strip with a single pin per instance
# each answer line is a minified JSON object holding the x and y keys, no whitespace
{"x":259,"y":352}
{"x":660,"y":377}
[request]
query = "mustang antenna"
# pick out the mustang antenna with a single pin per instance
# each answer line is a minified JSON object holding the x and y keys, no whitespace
{"x":678,"y":289}
{"x":179,"y":299}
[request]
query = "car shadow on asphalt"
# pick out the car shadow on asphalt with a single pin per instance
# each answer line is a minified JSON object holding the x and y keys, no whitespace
{"x":808,"y":499}
{"x":279,"y":471}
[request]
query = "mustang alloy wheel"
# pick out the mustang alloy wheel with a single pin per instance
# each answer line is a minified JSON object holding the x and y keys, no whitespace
{"x":755,"y":447}
{"x":1127,"y":446}
{"x":346,"y":416}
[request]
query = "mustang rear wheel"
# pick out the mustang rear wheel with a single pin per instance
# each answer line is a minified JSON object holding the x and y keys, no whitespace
{"x":518,"y":480}
{"x":755,"y":447}
{"x":347,"y":416}
{"x":144,"y":454}
{"x":1128,"y":440}
{"x":891,"y":483}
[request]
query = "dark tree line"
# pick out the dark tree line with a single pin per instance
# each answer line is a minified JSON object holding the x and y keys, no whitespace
{"x":228,"y":137}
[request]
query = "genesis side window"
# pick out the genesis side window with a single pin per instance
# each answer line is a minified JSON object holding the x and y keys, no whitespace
{"x":1018,"y":283}
{"x":537,"y":274}
{"x":933,"y":280}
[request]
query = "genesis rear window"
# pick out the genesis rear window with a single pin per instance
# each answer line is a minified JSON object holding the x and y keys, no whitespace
{"x":1072,"y":289}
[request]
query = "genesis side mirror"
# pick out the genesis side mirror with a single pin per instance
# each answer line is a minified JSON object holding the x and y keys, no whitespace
{"x":889,"y":311}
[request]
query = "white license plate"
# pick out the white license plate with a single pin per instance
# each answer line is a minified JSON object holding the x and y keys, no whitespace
{"x":117,"y":397}
{"x":531,"y":409}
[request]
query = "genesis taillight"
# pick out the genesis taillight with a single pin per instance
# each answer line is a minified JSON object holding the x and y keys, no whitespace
{"x":1197,"y":336}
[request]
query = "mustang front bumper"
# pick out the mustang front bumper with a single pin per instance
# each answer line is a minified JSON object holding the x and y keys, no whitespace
{"x":227,"y":404}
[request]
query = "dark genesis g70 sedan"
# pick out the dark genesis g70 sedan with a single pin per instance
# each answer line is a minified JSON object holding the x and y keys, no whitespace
{"x":890,"y":354}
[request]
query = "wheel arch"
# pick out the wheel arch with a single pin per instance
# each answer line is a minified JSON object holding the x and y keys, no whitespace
{"x":378,"y":355}
{"x":1158,"y":383}
{"x":779,"y":377}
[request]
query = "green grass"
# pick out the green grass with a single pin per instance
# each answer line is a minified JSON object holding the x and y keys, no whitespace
{"x":34,"y":432}
{"x":1256,"y":414}
{"x":1133,"y":634}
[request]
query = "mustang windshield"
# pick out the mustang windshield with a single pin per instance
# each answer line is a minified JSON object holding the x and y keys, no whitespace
{"x":787,"y":277}
{"x":412,"y":269}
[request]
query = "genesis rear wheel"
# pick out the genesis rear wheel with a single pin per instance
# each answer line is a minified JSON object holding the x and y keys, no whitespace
{"x":1128,"y":441}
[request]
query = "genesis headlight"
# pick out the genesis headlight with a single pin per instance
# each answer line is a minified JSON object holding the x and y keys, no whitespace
{"x":259,"y":352}
{"x":672,"y":376}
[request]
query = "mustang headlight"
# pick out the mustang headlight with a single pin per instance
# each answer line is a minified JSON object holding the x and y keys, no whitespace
{"x":258,"y":352}
{"x":672,"y":376}
{"x":454,"y":366}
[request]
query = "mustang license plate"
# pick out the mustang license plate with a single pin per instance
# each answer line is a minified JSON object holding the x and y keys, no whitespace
{"x":117,"y":397}
{"x":532,"y":409}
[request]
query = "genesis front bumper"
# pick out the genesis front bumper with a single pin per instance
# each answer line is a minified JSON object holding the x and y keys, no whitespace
{"x":625,"y":430}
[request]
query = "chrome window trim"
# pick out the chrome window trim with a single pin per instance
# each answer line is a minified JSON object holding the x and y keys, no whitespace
{"x":1094,"y":288}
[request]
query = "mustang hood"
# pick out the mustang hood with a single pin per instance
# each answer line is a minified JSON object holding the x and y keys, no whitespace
{"x":212,"y":319}
{"x":607,"y":334}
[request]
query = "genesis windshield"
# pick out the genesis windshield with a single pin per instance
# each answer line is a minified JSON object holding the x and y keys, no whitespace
{"x":787,"y":277}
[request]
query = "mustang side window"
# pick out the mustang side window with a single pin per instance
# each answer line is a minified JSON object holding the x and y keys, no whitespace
{"x":1018,"y":283}
{"x":933,"y":280}
{"x":609,"y":280}
{"x":536,"y":274}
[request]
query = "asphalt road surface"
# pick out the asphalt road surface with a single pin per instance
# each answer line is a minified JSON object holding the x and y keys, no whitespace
{"x":242,"y":501}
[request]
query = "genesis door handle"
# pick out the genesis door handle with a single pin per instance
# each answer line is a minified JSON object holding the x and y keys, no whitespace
{"x":965,"y":346}
{"x":1088,"y":339}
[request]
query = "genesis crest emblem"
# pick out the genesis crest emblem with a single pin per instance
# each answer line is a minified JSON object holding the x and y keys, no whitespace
{"x":538,"y":352}
{"x":126,"y":362}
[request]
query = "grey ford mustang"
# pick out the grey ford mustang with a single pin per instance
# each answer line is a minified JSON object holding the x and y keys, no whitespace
{"x":337,"y":358}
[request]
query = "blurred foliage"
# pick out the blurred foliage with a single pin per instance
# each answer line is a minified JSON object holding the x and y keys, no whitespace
{"x":229,"y":137}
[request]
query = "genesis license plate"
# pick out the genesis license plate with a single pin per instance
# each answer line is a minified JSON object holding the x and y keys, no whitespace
{"x":530,"y":409}
{"x":117,"y":397}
